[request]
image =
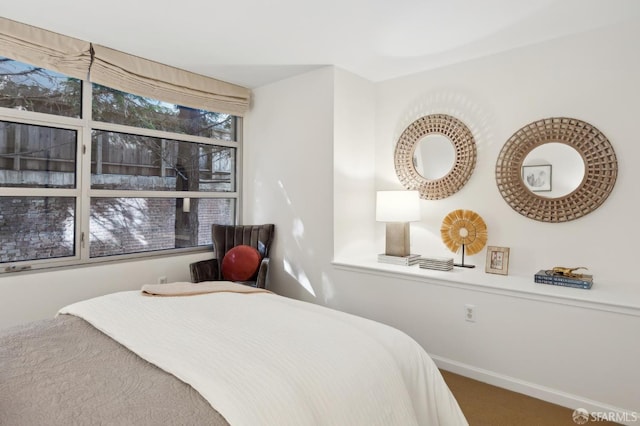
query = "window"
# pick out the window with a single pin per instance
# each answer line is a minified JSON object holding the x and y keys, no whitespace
{"x":28,"y":88}
{"x":120,"y":176}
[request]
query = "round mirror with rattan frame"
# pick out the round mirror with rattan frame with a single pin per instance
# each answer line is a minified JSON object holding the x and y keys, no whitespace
{"x":464,"y":162}
{"x":600,"y":169}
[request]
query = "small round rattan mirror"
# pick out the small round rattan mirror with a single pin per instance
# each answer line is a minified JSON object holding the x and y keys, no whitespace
{"x":464,"y":161}
{"x":600,"y":169}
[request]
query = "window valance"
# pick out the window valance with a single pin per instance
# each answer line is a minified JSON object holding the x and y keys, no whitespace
{"x":151,"y":79}
{"x":46,"y":49}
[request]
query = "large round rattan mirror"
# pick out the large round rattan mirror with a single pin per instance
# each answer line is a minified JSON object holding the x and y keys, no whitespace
{"x":457,"y":169}
{"x":599,"y":164}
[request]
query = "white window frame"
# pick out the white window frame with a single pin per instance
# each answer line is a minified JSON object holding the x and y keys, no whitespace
{"x":83,"y":191}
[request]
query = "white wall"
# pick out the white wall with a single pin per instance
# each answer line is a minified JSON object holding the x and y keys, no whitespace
{"x":571,"y":353}
{"x":288,"y":178}
{"x":592,"y":77}
{"x":353,"y":165}
{"x":561,"y":352}
{"x":31,"y":296}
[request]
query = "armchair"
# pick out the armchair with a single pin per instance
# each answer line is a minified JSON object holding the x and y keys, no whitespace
{"x":225,"y":237}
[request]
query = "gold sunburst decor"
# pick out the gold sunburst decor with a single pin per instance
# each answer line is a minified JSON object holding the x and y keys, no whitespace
{"x":466,"y":229}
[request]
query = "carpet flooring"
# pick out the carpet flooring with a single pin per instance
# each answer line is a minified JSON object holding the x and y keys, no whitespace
{"x":487,"y":405}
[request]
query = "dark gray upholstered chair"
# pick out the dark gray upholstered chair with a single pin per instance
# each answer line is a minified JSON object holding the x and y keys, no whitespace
{"x":225,"y":237}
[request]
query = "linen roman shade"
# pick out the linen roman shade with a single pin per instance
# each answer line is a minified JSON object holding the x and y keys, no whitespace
{"x":43,"y":48}
{"x":143,"y":77}
{"x":119,"y":70}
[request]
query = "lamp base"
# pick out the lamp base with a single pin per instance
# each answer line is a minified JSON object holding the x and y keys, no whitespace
{"x":397,"y":239}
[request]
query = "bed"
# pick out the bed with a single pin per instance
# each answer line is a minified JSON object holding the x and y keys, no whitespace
{"x":216,"y":354}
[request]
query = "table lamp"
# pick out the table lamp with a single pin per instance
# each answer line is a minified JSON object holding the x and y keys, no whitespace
{"x":397,"y":209}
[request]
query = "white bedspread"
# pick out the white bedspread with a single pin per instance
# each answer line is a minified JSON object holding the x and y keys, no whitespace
{"x":263,"y":359}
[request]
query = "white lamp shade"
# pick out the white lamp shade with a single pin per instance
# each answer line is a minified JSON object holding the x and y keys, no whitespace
{"x":397,"y":206}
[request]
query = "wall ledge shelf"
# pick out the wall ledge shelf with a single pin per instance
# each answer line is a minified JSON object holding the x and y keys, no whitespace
{"x":476,"y":279}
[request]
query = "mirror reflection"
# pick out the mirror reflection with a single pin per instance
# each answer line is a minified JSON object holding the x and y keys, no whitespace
{"x":553,"y":170}
{"x":434,"y":156}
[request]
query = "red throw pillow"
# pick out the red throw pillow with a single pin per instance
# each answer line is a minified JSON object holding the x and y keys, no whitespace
{"x":240,"y":263}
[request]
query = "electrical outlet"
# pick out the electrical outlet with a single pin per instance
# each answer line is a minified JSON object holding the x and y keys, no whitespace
{"x":162,"y":280}
{"x":470,"y":313}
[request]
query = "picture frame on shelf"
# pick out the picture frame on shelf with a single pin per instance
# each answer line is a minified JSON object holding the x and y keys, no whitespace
{"x":497,"y":260}
{"x":537,"y":178}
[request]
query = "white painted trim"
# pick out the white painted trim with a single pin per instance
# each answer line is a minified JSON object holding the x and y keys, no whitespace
{"x":518,"y":287}
{"x":534,"y":390}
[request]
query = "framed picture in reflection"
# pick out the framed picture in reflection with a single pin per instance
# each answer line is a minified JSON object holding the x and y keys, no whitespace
{"x":537,"y":178}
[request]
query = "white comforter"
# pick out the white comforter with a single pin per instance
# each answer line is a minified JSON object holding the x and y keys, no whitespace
{"x":263,"y":359}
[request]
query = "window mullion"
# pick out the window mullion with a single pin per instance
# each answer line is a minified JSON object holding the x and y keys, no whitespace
{"x":39,"y":119}
{"x":119,"y":193}
{"x":238,"y":168}
{"x":161,"y":134}
{"x":84,"y":170}
{"x":39,"y":192}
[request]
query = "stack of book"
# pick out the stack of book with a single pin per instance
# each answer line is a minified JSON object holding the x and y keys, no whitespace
{"x":548,"y":277}
{"x":409,"y":260}
{"x":438,"y":263}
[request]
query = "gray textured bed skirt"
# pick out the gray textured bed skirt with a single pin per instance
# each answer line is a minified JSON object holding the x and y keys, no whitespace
{"x":65,"y":372}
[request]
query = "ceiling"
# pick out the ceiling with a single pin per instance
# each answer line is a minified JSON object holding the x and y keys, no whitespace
{"x":256,"y":42}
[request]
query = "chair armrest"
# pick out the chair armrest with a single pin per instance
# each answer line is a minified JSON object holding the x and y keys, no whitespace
{"x":261,"y":279}
{"x":205,"y":270}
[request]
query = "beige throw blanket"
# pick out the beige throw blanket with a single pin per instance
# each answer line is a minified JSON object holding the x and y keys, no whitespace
{"x":190,"y":289}
{"x":63,"y":372}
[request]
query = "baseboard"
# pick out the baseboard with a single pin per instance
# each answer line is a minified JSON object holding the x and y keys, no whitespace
{"x":554,"y":396}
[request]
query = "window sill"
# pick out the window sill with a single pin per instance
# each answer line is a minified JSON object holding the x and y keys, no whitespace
{"x":476,"y":279}
{"x":39,"y":266}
